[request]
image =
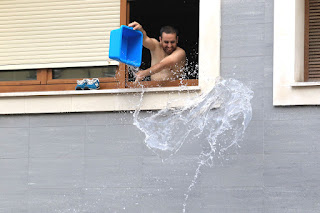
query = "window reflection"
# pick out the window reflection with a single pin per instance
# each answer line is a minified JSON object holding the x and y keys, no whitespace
{"x":18,"y":75}
{"x":84,"y":72}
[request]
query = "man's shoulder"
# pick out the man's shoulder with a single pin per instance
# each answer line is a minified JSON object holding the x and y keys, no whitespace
{"x":151,"y":43}
{"x":179,"y":50}
{"x":155,"y":41}
{"x":155,"y":44}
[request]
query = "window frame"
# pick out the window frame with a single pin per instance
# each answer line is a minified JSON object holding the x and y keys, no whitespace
{"x":45,"y":82}
{"x":289,"y":87}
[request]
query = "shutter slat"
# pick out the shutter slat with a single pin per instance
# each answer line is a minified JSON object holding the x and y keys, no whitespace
{"x":315,"y":60}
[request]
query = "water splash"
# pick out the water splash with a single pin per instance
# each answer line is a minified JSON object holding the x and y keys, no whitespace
{"x":133,"y":69}
{"x":219,"y":118}
{"x":224,"y":111}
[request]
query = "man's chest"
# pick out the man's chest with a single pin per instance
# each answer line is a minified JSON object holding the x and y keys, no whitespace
{"x":157,"y":55}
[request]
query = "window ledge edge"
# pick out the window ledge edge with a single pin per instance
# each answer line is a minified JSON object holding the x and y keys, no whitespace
{"x":105,"y":91}
{"x":305,"y":84}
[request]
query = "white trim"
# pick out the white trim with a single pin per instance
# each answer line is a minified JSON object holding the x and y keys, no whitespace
{"x":106,"y":91}
{"x":305,"y":84}
{"x":107,"y":62}
{"x":209,"y":43}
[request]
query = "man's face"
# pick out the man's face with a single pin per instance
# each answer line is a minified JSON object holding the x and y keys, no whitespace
{"x":169,"y":42}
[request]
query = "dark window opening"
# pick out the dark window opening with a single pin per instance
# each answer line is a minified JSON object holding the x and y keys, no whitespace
{"x":182,"y":14}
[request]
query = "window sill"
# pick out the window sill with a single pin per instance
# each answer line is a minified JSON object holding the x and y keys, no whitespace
{"x":305,"y":84}
{"x":95,"y":100}
{"x":106,"y":91}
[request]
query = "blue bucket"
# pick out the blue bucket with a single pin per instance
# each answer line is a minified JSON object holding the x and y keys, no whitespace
{"x":126,"y":45}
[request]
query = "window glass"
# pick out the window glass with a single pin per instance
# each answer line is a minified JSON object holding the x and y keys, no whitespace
{"x":18,"y":75}
{"x":84,"y":72}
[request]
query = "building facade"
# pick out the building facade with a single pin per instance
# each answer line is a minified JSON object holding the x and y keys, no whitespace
{"x":67,"y":152}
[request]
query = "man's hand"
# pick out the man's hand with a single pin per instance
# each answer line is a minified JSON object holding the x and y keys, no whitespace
{"x":139,"y":77}
{"x":136,"y":26}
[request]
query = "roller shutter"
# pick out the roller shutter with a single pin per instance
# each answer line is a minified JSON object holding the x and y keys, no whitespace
{"x":56,"y":33}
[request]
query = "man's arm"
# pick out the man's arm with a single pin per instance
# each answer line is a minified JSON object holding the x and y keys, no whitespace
{"x":167,"y":63}
{"x":149,"y":43}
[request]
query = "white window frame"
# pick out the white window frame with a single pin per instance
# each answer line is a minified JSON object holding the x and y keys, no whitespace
{"x":289,"y":87}
{"x":128,"y":99}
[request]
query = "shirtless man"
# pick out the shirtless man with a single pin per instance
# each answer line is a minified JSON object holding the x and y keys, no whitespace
{"x":167,"y":59}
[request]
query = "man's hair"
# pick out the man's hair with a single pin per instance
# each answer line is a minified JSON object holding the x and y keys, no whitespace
{"x":168,"y":30}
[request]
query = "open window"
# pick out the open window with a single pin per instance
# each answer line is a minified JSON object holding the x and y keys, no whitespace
{"x":183,"y":15}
